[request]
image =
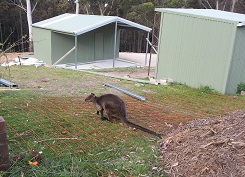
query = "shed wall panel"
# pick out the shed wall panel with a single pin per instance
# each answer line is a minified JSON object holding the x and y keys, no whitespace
{"x":195,"y":51}
{"x":109,"y":34}
{"x":86,"y":47}
{"x":99,"y":46}
{"x":237,"y":69}
{"x":42,"y":44}
{"x":91,"y":46}
{"x":61,"y":44}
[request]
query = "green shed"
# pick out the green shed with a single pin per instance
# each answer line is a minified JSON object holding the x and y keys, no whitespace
{"x":202,"y":47}
{"x":79,"y":38}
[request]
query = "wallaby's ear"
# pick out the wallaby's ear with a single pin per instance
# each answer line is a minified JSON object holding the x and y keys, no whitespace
{"x":90,"y":97}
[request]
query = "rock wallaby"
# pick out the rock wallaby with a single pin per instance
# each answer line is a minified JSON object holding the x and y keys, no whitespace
{"x":115,"y":109}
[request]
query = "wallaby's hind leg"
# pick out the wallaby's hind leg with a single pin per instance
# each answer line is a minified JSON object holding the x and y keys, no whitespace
{"x":102,"y":115}
{"x":110,"y":118}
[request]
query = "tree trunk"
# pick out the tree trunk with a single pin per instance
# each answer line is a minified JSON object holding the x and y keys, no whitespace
{"x":21,"y":31}
{"x":217,"y":4}
{"x":1,"y":33}
{"x":29,"y":20}
{"x":233,"y":5}
{"x":77,"y":6}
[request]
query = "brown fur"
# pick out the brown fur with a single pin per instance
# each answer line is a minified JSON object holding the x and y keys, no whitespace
{"x":115,"y":109}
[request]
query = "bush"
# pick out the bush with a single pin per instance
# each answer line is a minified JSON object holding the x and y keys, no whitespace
{"x":241,"y":87}
{"x":206,"y":89}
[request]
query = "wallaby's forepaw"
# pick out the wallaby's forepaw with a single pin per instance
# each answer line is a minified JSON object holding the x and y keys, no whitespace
{"x":98,"y":113}
{"x":104,"y":118}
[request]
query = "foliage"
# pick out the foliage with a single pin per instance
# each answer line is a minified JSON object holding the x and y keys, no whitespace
{"x":181,"y":4}
{"x":12,"y":18}
{"x":206,"y":89}
{"x":241,"y":87}
{"x":142,"y":13}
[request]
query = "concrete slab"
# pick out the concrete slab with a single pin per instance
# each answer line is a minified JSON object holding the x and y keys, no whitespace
{"x":125,"y":60}
{"x":101,"y":64}
{"x":139,"y":58}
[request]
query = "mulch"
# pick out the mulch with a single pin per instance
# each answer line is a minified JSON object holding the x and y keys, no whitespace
{"x":212,"y":147}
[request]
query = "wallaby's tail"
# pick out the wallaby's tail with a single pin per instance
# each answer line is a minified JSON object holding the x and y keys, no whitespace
{"x":141,"y":128}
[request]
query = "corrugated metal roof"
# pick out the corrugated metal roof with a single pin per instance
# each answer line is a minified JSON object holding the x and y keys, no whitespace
{"x":77,"y":24}
{"x":210,"y":13}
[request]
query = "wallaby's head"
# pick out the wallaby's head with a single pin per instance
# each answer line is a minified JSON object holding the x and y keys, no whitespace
{"x":90,"y":98}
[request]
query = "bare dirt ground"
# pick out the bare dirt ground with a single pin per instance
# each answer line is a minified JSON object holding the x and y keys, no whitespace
{"x":212,"y":147}
{"x":11,"y":56}
{"x":135,"y":73}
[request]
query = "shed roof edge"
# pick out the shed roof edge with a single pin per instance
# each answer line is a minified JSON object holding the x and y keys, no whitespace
{"x":185,"y":11}
{"x":104,"y":22}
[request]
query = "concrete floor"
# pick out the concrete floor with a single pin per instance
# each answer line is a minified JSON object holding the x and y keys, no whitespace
{"x":125,"y":60}
{"x":139,"y":58}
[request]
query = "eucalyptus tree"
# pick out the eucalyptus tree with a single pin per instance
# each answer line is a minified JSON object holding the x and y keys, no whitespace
{"x":226,"y":5}
{"x":100,"y":7}
{"x":10,"y":30}
{"x":28,"y":6}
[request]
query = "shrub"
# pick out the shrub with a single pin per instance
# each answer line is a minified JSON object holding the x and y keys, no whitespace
{"x":206,"y":89}
{"x":241,"y":87}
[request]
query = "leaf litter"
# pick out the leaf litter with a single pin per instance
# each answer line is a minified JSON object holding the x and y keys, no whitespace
{"x":213,"y":147}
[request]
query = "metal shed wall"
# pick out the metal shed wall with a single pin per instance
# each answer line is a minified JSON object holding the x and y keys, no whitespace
{"x":237,"y":66}
{"x":60,"y":45}
{"x":93,"y":38}
{"x":94,"y":45}
{"x":42,"y":42}
{"x":195,"y":50}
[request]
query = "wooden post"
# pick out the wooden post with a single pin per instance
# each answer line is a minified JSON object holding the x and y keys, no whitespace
{"x":4,"y":153}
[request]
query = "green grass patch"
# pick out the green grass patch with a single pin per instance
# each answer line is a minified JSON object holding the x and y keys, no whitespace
{"x":72,"y":144}
{"x":48,"y":114}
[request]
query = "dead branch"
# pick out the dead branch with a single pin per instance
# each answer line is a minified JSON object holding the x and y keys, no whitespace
{"x":215,"y":143}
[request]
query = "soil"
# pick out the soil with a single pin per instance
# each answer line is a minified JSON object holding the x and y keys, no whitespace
{"x":136,"y":73}
{"x":213,"y":147}
{"x":11,"y":56}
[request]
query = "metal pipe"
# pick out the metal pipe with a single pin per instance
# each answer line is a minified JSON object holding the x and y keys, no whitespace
{"x":67,"y":53}
{"x":7,"y":83}
{"x":75,"y":51}
{"x":115,"y":45}
{"x":151,"y":45}
{"x":146,"y":49}
{"x":125,"y":91}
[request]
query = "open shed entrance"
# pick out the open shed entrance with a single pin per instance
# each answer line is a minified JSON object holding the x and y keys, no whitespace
{"x":78,"y":39}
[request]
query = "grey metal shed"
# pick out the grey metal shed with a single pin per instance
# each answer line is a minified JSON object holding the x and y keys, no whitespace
{"x":202,"y":47}
{"x":79,"y":38}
